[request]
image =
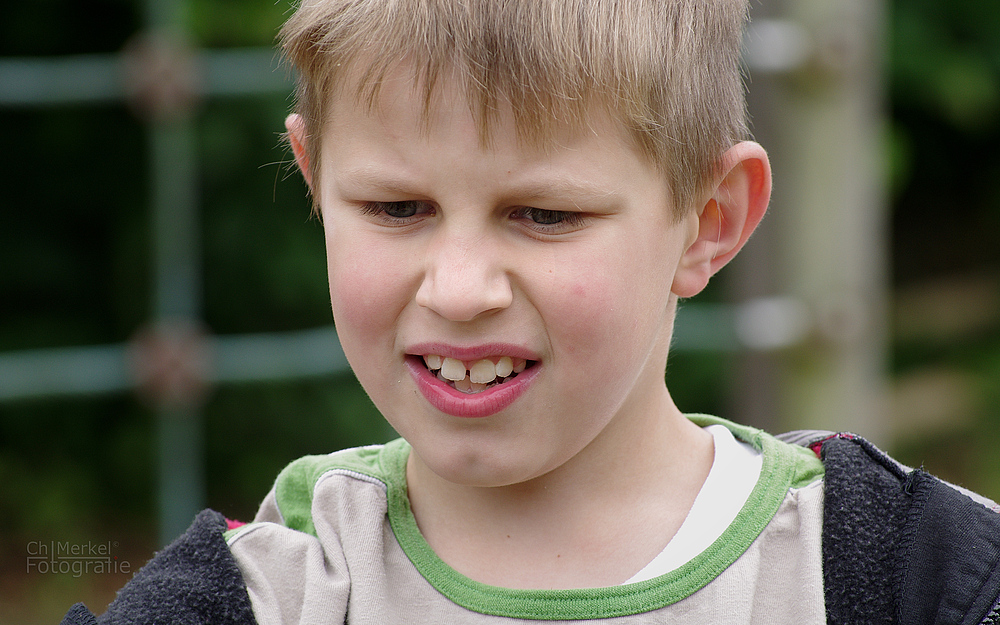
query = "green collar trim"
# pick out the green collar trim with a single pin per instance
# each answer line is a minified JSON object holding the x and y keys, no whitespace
{"x":784,"y":467}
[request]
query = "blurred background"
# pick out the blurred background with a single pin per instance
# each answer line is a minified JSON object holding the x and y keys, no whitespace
{"x":165,"y":335}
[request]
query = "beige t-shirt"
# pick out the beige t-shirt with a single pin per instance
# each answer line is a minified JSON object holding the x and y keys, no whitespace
{"x":335,"y":541}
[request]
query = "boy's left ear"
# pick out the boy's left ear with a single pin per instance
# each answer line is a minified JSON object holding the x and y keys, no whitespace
{"x":727,"y":218}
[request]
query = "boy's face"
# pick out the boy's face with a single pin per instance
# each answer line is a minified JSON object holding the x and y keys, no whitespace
{"x":562,"y":260}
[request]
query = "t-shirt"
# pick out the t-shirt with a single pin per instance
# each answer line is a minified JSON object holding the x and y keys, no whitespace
{"x":734,"y":473}
{"x":335,"y":541}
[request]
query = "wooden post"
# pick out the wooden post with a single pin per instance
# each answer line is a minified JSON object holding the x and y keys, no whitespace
{"x":819,"y":111}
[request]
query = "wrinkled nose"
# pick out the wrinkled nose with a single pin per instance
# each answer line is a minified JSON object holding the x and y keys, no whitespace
{"x":464,"y":278}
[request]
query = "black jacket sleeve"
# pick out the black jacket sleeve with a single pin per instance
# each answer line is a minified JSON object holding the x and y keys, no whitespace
{"x":900,"y":546}
{"x":194,"y":580}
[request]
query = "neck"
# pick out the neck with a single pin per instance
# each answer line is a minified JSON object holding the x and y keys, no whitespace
{"x":596,"y":508}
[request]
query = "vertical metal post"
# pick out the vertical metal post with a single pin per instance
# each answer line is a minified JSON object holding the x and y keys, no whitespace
{"x":175,"y":219}
{"x":178,"y":287}
{"x":177,"y":267}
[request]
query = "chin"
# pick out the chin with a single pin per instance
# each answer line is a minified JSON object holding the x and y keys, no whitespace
{"x":481,"y":470}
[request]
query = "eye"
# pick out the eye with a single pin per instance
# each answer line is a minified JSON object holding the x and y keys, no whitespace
{"x":544,"y":217}
{"x":397,"y":213}
{"x":549,"y":220}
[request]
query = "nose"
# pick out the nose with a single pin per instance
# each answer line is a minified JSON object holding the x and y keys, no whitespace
{"x":464,"y":278}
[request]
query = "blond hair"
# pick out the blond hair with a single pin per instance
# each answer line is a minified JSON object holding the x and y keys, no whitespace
{"x":667,"y":70}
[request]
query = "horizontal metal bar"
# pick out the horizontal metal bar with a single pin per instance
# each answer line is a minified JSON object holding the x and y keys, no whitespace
{"x":278,"y":356}
{"x":705,"y":327}
{"x":760,"y":324}
{"x":85,"y":79}
{"x":63,"y":371}
{"x":99,"y":79}
{"x":101,"y":369}
{"x":243,"y":71}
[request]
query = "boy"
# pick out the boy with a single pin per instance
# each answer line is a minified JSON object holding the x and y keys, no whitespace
{"x":515,"y":195}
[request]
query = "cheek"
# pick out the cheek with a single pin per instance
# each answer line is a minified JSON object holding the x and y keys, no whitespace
{"x":364,"y":296}
{"x":607,"y":306}
{"x":587,"y":308}
{"x":352,"y":302}
{"x":584,"y":309}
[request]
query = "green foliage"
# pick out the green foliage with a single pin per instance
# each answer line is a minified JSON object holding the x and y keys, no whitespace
{"x":945,"y":83}
{"x":73,"y":197}
{"x":51,"y":27}
{"x":945,"y":97}
{"x":257,"y":224}
{"x":945,"y":59}
{"x":234,"y":23}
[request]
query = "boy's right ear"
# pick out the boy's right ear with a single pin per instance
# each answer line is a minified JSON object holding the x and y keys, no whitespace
{"x":297,"y":138}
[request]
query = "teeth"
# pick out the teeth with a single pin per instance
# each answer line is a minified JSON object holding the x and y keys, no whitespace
{"x":477,"y":378}
{"x":483,"y":372}
{"x":504,"y":367}
{"x":453,"y":370}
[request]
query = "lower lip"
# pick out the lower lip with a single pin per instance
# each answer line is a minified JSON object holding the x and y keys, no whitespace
{"x":469,"y":406}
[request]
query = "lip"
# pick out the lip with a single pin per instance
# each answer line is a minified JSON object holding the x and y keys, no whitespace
{"x":484,"y":350}
{"x":458,"y":404}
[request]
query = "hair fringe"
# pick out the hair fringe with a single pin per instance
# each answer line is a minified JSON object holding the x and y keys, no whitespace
{"x":668,"y":70}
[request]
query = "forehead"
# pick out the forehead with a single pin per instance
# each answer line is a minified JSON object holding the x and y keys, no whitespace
{"x":405,"y":92}
{"x":442,"y":138}
{"x":402,"y":143}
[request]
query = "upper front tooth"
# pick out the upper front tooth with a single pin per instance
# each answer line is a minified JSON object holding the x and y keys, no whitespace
{"x":433,"y":361}
{"x":453,"y":370}
{"x":504,"y":367}
{"x":483,"y":372}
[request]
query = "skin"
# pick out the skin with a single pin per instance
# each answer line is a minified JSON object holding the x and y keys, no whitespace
{"x":569,"y":255}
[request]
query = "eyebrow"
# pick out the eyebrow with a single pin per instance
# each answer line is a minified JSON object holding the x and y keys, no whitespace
{"x":560,"y":187}
{"x":375,"y":178}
